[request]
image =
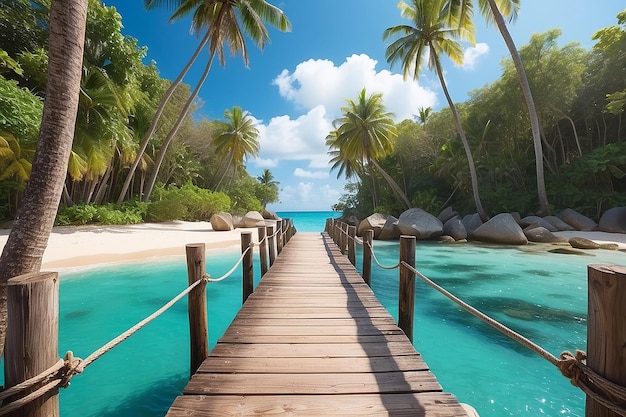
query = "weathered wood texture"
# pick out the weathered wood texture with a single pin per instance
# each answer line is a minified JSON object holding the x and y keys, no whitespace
{"x":312,"y":340}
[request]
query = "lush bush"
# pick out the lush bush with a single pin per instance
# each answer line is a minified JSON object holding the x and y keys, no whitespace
{"x":187,"y":203}
{"x":80,"y":214}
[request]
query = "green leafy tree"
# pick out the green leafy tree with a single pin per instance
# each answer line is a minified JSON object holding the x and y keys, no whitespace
{"x":236,"y":141}
{"x":435,"y":32}
{"x":267,"y":192}
{"x":365,"y":133}
{"x":222,"y":23}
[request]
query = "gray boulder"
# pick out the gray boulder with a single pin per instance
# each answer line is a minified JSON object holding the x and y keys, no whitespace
{"x":446,"y":214}
{"x":269,"y":215}
{"x":471,"y":223}
{"x":390,"y":230}
{"x":252,"y":219}
{"x":416,"y":222}
{"x":614,"y":220}
{"x":455,"y":228}
{"x":582,"y":243}
{"x":577,"y":221}
{"x":542,"y":235}
{"x":373,"y":222}
{"x":222,"y":222}
{"x":538,"y":222}
{"x":560,"y":225}
{"x":503,"y":229}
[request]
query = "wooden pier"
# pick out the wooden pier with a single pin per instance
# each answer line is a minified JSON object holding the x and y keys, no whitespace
{"x":313,"y":340}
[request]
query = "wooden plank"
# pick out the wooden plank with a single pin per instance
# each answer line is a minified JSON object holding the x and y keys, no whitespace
{"x":318,"y":350}
{"x":412,"y":362}
{"x":278,"y":339}
{"x":319,"y":330}
{"x":328,"y":383}
{"x":402,"y":404}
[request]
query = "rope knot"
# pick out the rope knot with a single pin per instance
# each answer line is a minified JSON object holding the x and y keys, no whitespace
{"x":73,"y":366}
{"x":206,"y":277}
{"x":570,"y":366}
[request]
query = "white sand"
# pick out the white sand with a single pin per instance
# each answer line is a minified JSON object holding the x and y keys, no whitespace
{"x":80,"y":246}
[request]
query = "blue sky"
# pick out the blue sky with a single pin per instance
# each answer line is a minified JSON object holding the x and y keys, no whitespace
{"x":296,"y":86}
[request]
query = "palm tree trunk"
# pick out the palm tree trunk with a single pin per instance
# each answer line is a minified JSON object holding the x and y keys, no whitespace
{"x":230,"y":161}
{"x":459,"y":128}
{"x":30,"y":232}
{"x":157,"y":116}
{"x":170,"y":136}
{"x":394,"y":186}
{"x":544,"y":207}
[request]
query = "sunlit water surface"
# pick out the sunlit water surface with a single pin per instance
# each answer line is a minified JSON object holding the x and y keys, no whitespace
{"x":543,"y":296}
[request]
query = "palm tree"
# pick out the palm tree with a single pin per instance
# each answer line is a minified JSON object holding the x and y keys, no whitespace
{"x":30,"y":232}
{"x":423,"y":115}
{"x":435,"y":32}
{"x":365,"y":133}
{"x":266,"y":179}
{"x":494,"y":10}
{"x":220,"y":18}
{"x":237,"y":140}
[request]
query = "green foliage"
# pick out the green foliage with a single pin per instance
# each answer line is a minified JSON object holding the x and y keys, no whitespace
{"x":189,"y":203}
{"x":243,"y":196}
{"x":20,"y":111}
{"x":81,"y":214}
{"x":428,"y":200}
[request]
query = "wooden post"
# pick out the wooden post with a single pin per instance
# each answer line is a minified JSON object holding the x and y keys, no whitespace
{"x":197,"y":306}
{"x":406,"y":301}
{"x":344,"y":237}
{"x":336,"y":232}
{"x":279,"y":237}
{"x":262,"y":249}
{"x":248,"y":273}
{"x":32,"y":344}
{"x":271,"y":242}
{"x":606,"y":329}
{"x":368,"y":238}
{"x":285,"y":231}
{"x":352,"y":244}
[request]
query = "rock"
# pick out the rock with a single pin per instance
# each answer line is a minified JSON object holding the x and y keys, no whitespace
{"x":577,"y":220}
{"x":373,"y":222}
{"x":542,"y":235}
{"x":252,"y":219}
{"x":447,"y":239}
{"x":446,"y":214}
{"x":455,"y":228}
{"x":222,"y":222}
{"x":582,"y":243}
{"x":471,"y":223}
{"x":568,"y":251}
{"x":517,"y":217}
{"x":560,"y":225}
{"x":351,"y":220}
{"x":416,"y":222}
{"x":614,"y":220}
{"x":503,"y":229}
{"x":390,"y":229}
{"x":609,"y":246}
{"x":538,"y":221}
{"x":269,"y":215}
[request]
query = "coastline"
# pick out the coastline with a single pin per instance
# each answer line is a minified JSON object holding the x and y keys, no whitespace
{"x":96,"y":245}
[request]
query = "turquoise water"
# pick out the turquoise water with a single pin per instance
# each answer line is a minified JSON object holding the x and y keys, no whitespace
{"x":543,"y":296}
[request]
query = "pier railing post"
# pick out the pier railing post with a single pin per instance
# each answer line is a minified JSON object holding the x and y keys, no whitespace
{"x":32,"y":336}
{"x":368,"y":238}
{"x":197,"y":306}
{"x":271,"y":242}
{"x":344,"y":238}
{"x":606,"y":329}
{"x":262,"y":249}
{"x":248,"y":273}
{"x":352,"y":244}
{"x":406,"y":301}
{"x":279,"y":237}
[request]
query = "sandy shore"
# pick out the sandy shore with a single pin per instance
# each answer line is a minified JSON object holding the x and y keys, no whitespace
{"x":81,"y":246}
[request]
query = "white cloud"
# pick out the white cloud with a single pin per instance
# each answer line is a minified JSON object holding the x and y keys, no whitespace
{"x":299,"y":172}
{"x":472,"y":55}
{"x":266,"y":163}
{"x":321,"y":83}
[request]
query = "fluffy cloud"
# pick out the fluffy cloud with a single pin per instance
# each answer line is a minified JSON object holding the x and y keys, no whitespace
{"x":299,"y":172}
{"x":472,"y":55}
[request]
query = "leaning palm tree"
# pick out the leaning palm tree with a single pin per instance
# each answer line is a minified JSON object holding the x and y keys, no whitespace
{"x":435,"y":32}
{"x":221,"y":19}
{"x":236,"y":141}
{"x":365,"y":133}
{"x":496,"y":11}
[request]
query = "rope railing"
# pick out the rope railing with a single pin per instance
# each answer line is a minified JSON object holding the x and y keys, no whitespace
{"x":60,"y":374}
{"x":380,"y":265}
{"x":572,"y":366}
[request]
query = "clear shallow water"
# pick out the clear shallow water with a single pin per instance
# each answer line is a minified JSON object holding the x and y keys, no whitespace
{"x":543,"y":296}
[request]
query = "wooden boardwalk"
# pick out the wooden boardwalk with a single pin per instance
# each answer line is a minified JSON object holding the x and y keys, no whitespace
{"x":313,"y":340}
